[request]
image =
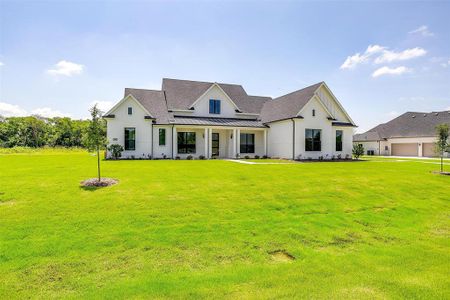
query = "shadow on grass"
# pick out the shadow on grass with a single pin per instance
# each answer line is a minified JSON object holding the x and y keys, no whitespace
{"x":91,"y":188}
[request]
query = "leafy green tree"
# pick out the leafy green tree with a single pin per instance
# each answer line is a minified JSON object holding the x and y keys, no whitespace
{"x":358,"y":150}
{"x":95,"y":136}
{"x":442,"y":143}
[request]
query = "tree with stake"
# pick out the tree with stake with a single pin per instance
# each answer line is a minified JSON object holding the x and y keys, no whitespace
{"x":95,"y":135}
{"x":443,"y":142}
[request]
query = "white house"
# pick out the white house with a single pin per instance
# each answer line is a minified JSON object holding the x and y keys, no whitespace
{"x":411,"y":134}
{"x":221,"y":120}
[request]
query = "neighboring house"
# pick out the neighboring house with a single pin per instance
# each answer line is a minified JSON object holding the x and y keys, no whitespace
{"x":221,"y":120}
{"x":411,"y":134}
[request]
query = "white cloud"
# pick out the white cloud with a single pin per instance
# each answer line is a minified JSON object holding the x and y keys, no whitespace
{"x":1,"y":64}
{"x":422,"y":30}
{"x":48,"y":112}
{"x":104,"y":106}
{"x":11,"y":110}
{"x":358,"y":58}
{"x":391,"y":56}
{"x":392,"y":71}
{"x":66,"y":68}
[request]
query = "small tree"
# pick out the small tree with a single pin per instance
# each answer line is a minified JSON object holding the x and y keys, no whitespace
{"x":442,"y":143}
{"x":358,"y":150}
{"x":95,"y":136}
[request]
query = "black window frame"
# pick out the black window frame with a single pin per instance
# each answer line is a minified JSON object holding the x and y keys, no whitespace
{"x":162,"y":136}
{"x":339,"y":139}
{"x":313,"y":140}
{"x":214,"y":106}
{"x":129,"y":144}
{"x":245,"y":145}
{"x":130,"y":110}
{"x":186,"y":142}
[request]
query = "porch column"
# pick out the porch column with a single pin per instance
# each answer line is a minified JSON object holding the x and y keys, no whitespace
{"x":174,"y":142}
{"x":206,"y":139}
{"x":238,"y":141}
{"x":233,"y":151}
{"x":265,"y":142}
{"x":209,"y":142}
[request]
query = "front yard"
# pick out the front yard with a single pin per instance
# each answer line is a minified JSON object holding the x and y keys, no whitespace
{"x":219,"y":229}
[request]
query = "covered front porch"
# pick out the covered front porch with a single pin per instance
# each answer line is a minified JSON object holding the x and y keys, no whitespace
{"x":218,"y":142}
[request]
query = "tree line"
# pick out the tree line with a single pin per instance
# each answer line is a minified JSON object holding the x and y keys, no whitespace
{"x":36,"y":131}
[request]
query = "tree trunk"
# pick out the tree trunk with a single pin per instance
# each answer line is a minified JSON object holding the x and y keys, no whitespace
{"x":442,"y":162}
{"x":98,"y":163}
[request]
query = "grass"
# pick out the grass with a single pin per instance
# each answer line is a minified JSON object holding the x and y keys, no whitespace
{"x":218,"y":229}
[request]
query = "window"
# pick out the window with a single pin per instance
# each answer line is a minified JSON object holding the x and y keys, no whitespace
{"x":215,"y":144}
{"x":162,"y":136}
{"x":339,"y":134}
{"x":130,"y":138}
{"x":130,"y":110}
{"x":386,"y":148}
{"x":186,"y":142}
{"x":313,"y":112}
{"x":247,"y":143}
{"x":214,"y":106}
{"x":312,"y":140}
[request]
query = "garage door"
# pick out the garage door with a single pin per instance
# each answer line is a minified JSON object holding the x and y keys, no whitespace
{"x":405,"y":149}
{"x":428,"y":149}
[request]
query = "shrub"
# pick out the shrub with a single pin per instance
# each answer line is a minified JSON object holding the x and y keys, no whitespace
{"x":247,"y":157}
{"x":333,"y":157}
{"x":347,"y":157}
{"x":201,"y":157}
{"x":339,"y":156}
{"x":177,"y":157}
{"x":189,"y":157}
{"x":164,"y":156}
{"x":116,"y":150}
{"x":321,"y":157}
{"x":132,"y":157}
{"x":265,"y":157}
{"x":358,"y":150}
{"x":256,"y":156}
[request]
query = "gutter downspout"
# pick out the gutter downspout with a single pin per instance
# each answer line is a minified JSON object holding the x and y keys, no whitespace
{"x":151,"y":128}
{"x":172,"y":140}
{"x":293,"y":139}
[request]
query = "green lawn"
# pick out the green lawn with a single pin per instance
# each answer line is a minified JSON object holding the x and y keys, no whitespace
{"x":179,"y":229}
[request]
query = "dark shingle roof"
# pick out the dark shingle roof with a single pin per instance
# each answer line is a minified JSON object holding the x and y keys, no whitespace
{"x":289,"y":105}
{"x":410,"y":124}
{"x":181,"y":94}
{"x":366,"y":137}
{"x":217,"y":122}
{"x":154,"y":103}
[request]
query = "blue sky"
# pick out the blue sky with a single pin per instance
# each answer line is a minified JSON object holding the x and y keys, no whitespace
{"x":380,"y":59}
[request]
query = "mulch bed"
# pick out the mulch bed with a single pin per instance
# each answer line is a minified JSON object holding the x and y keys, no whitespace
{"x":93,"y":182}
{"x":442,"y":173}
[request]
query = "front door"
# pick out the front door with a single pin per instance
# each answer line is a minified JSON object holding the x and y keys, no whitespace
{"x":215,"y":144}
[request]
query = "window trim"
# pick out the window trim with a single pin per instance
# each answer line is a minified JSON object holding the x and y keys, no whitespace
{"x":127,"y":141}
{"x":162,"y":134}
{"x":214,"y":106}
{"x":312,"y":140}
{"x":339,"y":142}
{"x":244,"y":145}
{"x":184,"y":146}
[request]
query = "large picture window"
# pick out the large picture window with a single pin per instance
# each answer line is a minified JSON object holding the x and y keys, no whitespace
{"x":339,"y":134}
{"x":312,"y":140}
{"x":214,"y":106}
{"x":130,"y":138}
{"x":186,"y":142}
{"x":247,"y":144}
{"x":162,"y":136}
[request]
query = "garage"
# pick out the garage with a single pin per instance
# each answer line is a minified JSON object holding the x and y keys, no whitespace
{"x":428,"y":150}
{"x":406,"y":149}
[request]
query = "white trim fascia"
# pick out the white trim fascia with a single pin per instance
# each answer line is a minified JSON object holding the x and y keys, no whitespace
{"x":337,"y":101}
{"x":213,"y":85}
{"x":129,"y":96}
{"x":247,"y":114}
{"x":182,"y":110}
